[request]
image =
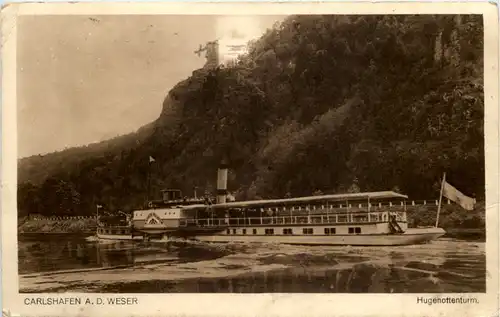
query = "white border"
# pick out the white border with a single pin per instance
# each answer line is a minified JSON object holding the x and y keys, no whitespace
{"x":263,"y":304}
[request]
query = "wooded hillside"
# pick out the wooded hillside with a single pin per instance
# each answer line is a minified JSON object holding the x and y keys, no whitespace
{"x":320,"y":104}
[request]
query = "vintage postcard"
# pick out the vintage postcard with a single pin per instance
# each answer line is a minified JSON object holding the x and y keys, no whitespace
{"x":250,"y":159}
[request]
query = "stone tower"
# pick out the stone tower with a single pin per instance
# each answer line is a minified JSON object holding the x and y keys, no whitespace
{"x":211,"y":54}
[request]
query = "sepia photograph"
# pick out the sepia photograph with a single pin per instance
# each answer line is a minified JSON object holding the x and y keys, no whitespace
{"x":250,"y":154}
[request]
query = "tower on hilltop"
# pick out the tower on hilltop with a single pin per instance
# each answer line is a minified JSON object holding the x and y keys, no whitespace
{"x":211,"y":50}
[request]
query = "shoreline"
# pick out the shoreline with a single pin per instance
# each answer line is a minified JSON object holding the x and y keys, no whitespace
{"x":56,"y":233}
{"x":57,"y":226}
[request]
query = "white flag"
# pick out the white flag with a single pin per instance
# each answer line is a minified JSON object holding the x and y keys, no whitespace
{"x":151,"y":159}
{"x":454,"y":194}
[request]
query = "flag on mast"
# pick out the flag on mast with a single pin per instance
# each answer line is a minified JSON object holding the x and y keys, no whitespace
{"x":151,"y":159}
{"x":455,"y":195}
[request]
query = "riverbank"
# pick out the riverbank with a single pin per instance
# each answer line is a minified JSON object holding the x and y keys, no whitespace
{"x":453,"y":218}
{"x":46,"y":225}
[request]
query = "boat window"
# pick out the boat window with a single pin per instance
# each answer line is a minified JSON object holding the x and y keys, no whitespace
{"x":254,"y":231}
{"x":244,"y":231}
{"x":360,"y":218}
{"x":342,"y":218}
{"x":330,"y":231}
{"x":307,"y":230}
{"x":269,"y":231}
{"x":330,"y":219}
{"x":302,"y":219}
{"x":316,"y":219}
{"x":287,"y":231}
{"x":357,"y":230}
{"x":351,"y":230}
{"x":228,"y":231}
{"x":234,"y":231}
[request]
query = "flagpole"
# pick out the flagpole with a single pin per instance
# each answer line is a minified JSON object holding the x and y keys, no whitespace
{"x":97,"y":215}
{"x":440,"y":199}
{"x":149,"y":181}
{"x":148,"y":195}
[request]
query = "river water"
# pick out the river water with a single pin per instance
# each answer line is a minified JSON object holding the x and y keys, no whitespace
{"x":61,"y":263}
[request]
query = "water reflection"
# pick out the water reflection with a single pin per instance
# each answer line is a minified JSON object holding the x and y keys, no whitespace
{"x":69,"y":252}
{"x":446,"y":266}
{"x":359,"y":279}
{"x":442,"y":266}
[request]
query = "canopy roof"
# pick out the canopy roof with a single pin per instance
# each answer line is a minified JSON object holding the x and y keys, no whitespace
{"x":306,"y":199}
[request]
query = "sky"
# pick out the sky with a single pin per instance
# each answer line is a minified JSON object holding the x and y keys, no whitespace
{"x":85,"y":79}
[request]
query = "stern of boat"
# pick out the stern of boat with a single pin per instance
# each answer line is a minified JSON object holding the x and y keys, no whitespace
{"x":423,"y":235}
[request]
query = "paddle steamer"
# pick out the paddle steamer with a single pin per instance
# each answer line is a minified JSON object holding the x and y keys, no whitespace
{"x":369,"y":218}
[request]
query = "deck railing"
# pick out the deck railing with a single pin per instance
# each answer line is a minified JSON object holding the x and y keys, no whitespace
{"x":306,"y":220}
{"x":337,"y":207}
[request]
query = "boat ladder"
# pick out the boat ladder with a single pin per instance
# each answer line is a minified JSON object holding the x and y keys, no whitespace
{"x":394,"y":226}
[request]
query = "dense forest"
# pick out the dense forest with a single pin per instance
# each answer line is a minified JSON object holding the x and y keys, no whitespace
{"x":319,"y":104}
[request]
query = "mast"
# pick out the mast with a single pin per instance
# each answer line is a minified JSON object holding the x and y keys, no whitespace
{"x":148,"y":195}
{"x":440,"y":199}
{"x":150,"y":161}
{"x":97,"y":207}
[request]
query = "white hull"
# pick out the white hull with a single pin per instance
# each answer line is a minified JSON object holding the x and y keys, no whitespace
{"x":411,"y":236}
